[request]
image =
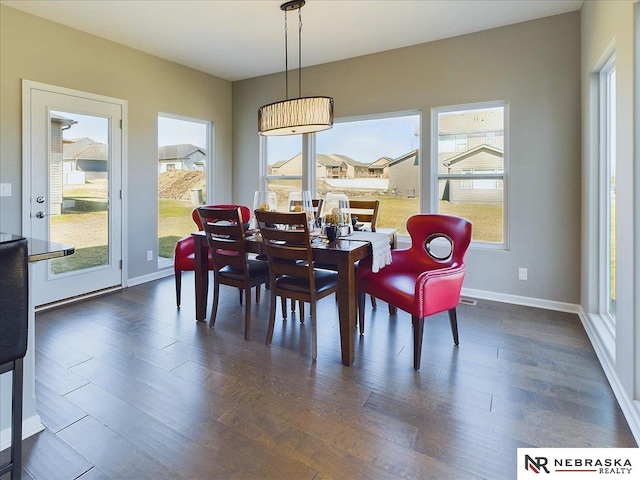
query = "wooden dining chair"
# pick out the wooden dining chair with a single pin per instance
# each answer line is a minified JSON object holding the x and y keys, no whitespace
{"x":231,"y":264}
{"x":184,"y":254}
{"x":292,"y":272}
{"x":366,"y":211}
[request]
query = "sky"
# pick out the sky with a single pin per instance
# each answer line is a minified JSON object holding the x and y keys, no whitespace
{"x":362,"y":140}
{"x":96,"y":128}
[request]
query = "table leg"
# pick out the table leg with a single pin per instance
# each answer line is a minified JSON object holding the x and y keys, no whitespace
{"x":202,"y":276}
{"x":347,"y":308}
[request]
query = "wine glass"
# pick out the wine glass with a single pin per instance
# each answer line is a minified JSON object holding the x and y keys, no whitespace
{"x":264,"y":201}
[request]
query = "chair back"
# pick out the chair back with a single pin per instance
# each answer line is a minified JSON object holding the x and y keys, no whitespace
{"x":317,"y":207}
{"x":225,"y":236}
{"x":442,"y":240}
{"x":288,"y":244}
{"x":366,"y":211}
{"x":245,"y":213}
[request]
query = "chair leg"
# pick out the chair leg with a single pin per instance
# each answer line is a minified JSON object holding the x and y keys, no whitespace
{"x":314,"y":333}
{"x":214,"y":307}
{"x":361,"y":298}
{"x":247,"y":313}
{"x":178,"y":276}
{"x":301,"y":310}
{"x":240,"y":294}
{"x":272,"y":318}
{"x":374,"y":304}
{"x":283,"y":301}
{"x":258,"y":288}
{"x":418,"y":328}
{"x":453,"y":319}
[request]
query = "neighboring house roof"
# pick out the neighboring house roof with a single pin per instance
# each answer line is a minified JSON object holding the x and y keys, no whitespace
{"x":279,"y":163}
{"x":484,"y":148}
{"x":412,"y":154}
{"x":55,"y":118}
{"x":178,"y":152}
{"x":477,"y":121}
{"x":331,"y":160}
{"x":381,"y":162}
{"x":84,"y":149}
{"x":335,"y":160}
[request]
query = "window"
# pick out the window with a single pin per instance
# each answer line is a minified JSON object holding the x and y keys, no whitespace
{"x":284,"y":166}
{"x":373,"y":158}
{"x":608,"y":181}
{"x":183,"y":160}
{"x":470,"y":177}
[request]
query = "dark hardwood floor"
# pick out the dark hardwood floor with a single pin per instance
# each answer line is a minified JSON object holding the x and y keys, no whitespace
{"x":129,"y":387}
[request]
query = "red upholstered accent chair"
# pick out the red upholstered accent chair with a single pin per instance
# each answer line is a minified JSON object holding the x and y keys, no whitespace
{"x":424,"y":279}
{"x":184,"y":253}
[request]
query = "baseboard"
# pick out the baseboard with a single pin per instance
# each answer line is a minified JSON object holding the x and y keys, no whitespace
{"x":150,"y":277}
{"x":604,"y":346}
{"x":30,"y":426}
{"x":520,"y":300}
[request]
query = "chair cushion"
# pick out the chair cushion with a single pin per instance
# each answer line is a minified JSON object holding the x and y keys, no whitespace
{"x":325,"y":280}
{"x":397,"y":288}
{"x":256,"y":268}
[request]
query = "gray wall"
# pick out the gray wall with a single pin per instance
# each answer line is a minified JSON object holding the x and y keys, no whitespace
{"x":536,"y":67}
{"x":35,"y":49}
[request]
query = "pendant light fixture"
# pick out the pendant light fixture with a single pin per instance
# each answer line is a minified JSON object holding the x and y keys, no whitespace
{"x":301,"y":114}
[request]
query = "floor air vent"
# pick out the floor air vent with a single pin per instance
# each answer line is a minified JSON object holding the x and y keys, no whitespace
{"x":468,"y":301}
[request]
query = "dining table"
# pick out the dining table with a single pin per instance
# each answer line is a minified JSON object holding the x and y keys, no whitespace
{"x":343,"y":253}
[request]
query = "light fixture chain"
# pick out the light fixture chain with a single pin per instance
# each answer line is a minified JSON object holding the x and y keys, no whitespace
{"x":286,"y":58}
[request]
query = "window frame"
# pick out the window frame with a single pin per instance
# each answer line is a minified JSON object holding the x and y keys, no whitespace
{"x":309,"y":155}
{"x":498,"y":176}
{"x":162,"y":262}
{"x":606,"y":135}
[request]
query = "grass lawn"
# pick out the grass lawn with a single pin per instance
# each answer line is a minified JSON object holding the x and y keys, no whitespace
{"x":88,"y":228}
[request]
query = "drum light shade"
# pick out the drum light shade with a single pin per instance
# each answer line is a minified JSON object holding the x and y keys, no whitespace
{"x":299,"y":115}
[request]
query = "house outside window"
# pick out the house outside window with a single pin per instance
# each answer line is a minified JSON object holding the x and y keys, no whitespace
{"x":183,"y":166}
{"x":377,"y":159}
{"x":470,"y":180}
{"x":365,"y":158}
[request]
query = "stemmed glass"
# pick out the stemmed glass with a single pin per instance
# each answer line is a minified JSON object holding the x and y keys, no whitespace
{"x":265,"y":201}
{"x":300,"y":201}
{"x":337,"y":203}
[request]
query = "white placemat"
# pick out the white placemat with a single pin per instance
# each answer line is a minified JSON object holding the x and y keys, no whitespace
{"x":380,"y":247}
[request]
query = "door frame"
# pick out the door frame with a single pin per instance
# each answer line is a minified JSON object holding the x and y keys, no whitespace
{"x":27,"y":87}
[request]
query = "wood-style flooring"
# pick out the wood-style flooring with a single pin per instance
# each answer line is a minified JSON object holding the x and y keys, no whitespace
{"x":129,"y":387}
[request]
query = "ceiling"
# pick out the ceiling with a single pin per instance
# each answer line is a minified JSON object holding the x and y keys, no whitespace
{"x":238,"y":39}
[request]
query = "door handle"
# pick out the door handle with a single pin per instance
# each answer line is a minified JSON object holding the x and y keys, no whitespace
{"x":40,"y":199}
{"x":40,"y":214}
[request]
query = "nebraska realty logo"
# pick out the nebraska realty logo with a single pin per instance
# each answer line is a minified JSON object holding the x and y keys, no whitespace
{"x":582,"y":463}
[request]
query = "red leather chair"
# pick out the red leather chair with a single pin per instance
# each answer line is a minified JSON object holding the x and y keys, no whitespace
{"x":424,"y":279}
{"x":184,"y":253}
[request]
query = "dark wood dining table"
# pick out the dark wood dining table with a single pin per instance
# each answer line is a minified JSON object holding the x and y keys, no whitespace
{"x":343,"y":253}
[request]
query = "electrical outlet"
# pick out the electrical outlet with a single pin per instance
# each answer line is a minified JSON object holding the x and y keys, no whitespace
{"x":5,"y":189}
{"x":149,"y":255}
{"x":522,"y":273}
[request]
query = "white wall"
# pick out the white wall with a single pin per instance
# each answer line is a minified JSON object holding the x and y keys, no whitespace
{"x":536,"y":67}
